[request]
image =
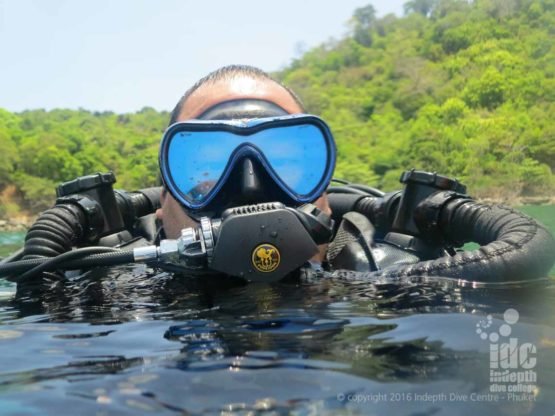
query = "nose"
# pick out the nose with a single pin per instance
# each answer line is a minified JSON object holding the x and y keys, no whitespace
{"x":251,"y":182}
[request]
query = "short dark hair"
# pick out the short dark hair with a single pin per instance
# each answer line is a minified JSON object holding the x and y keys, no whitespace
{"x":227,"y":73}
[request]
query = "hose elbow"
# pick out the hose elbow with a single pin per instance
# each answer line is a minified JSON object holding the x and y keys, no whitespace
{"x":55,"y":232}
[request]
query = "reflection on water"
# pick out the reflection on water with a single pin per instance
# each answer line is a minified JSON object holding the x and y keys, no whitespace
{"x":135,"y":340}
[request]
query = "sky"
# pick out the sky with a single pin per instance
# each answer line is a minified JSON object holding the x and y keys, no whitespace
{"x":123,"y":55}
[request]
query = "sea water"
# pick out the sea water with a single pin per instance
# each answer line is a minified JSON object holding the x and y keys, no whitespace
{"x":134,"y":340}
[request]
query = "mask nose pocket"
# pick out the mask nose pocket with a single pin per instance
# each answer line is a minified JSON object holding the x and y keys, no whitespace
{"x":251,"y":185}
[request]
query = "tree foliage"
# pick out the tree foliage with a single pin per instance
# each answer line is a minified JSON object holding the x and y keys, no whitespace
{"x":41,"y":149}
{"x":458,"y":87}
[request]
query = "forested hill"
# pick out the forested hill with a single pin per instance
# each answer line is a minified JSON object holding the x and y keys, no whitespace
{"x":465,"y":89}
{"x":41,"y":149}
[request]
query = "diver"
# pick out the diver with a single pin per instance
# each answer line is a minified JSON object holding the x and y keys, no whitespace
{"x":238,"y":92}
{"x":246,"y":192}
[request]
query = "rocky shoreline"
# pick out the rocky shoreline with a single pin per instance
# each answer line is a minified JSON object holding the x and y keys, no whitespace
{"x":15,"y":224}
{"x":538,"y":200}
{"x":523,"y":200}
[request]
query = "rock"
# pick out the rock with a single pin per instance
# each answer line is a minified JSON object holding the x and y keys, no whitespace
{"x":11,"y":225}
{"x":536,"y":200}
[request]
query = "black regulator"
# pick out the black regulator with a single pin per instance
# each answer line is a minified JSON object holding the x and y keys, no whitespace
{"x":262,"y":242}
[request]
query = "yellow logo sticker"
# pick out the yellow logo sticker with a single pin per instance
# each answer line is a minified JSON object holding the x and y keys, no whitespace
{"x":265,"y":258}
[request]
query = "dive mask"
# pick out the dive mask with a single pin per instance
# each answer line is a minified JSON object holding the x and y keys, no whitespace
{"x":199,"y":158}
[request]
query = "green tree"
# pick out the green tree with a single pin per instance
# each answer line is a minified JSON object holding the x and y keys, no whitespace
{"x":424,"y":7}
{"x":362,"y":23}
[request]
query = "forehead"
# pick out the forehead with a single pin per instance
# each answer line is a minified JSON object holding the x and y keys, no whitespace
{"x":235,"y":88}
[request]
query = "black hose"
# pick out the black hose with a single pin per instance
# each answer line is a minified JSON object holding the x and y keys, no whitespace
{"x":368,"y":189}
{"x":54,"y":232}
{"x":380,"y":211}
{"x":513,"y":245}
{"x":50,"y":264}
{"x":20,"y":266}
{"x":133,"y":205}
{"x":94,"y":260}
{"x":104,"y":259}
{"x":341,"y":181}
{"x":341,"y":203}
{"x":153,"y":197}
{"x":352,"y":188}
{"x":347,"y":189}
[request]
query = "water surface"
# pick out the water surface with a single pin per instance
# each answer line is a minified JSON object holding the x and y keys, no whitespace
{"x":134,"y":340}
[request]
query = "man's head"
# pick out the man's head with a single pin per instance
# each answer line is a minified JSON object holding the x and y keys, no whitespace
{"x":231,"y":83}
{"x":227,"y":85}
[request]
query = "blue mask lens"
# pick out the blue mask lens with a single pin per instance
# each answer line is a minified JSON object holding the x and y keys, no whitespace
{"x":298,"y":153}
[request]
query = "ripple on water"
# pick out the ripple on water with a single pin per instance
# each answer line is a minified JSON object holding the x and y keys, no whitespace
{"x":136,"y":340}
